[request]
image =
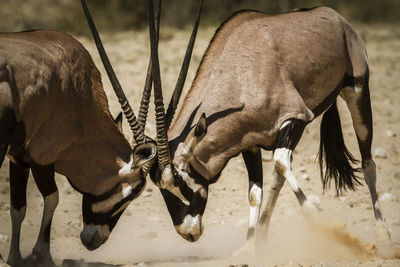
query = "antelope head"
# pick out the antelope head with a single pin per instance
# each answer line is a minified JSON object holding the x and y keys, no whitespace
{"x":101,"y":212}
{"x":184,"y":195}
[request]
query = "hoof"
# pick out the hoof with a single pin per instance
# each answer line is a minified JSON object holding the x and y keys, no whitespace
{"x":38,"y":260}
{"x":389,"y":249}
{"x":248,"y":250}
{"x":3,"y":263}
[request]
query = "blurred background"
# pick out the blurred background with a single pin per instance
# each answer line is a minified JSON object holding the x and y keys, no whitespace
{"x":66,"y":15}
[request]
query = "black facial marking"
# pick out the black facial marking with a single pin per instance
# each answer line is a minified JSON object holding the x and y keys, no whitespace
{"x":173,"y":144}
{"x":177,"y":209}
{"x":106,"y":218}
{"x":197,"y":176}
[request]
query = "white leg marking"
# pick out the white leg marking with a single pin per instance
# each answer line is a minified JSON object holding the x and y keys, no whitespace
{"x":283,"y":166}
{"x":255,"y":199}
{"x":16,"y":219}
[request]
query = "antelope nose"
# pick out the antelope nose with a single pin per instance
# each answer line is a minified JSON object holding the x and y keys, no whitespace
{"x":88,"y":239}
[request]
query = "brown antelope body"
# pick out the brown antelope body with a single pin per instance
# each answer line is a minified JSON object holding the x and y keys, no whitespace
{"x":262,"y":79}
{"x":54,"y":117}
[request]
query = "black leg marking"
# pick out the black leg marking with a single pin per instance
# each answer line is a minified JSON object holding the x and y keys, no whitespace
{"x":253,"y":162}
{"x":288,"y":138}
{"x":290,"y":135}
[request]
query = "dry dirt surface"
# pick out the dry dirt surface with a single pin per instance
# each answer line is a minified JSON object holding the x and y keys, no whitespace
{"x":145,"y":236}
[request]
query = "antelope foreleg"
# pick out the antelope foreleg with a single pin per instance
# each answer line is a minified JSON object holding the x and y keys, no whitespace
{"x":44,"y":178}
{"x":18,"y":182}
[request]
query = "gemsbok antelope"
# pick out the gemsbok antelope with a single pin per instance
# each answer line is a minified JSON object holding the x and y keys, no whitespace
{"x":54,"y":117}
{"x":262,"y":79}
{"x":165,"y":185}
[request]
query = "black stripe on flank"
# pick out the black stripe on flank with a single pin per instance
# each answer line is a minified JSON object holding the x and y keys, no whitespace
{"x":303,"y":9}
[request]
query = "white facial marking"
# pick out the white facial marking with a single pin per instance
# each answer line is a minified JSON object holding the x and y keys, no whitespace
{"x":126,"y":190}
{"x":191,"y":225}
{"x":283,"y":166}
{"x":191,"y":183}
{"x":167,"y":184}
{"x":107,"y":204}
{"x":255,"y":199}
{"x":183,"y":155}
{"x":126,"y":169}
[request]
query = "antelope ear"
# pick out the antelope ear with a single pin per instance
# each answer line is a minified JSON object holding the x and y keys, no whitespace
{"x":144,"y":153}
{"x":201,"y":127}
{"x":195,"y":135}
{"x":118,"y":121}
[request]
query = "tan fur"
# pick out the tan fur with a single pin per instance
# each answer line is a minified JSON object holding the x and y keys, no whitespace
{"x":58,"y":95}
{"x":277,"y":67}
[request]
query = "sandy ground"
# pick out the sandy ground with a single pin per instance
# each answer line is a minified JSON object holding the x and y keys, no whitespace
{"x":145,"y":235}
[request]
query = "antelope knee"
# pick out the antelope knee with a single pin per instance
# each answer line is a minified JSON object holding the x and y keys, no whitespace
{"x":51,"y":201}
{"x":282,"y":160}
{"x":255,"y":195}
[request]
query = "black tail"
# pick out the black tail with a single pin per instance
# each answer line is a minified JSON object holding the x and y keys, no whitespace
{"x":338,"y":160}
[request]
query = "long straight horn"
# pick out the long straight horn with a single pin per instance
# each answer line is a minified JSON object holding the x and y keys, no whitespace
{"x":137,"y":130}
{"x":164,"y":158}
{"x":144,"y":105}
{"x":173,"y":104}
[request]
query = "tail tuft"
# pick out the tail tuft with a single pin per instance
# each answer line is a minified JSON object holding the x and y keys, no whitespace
{"x":335,"y":160}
